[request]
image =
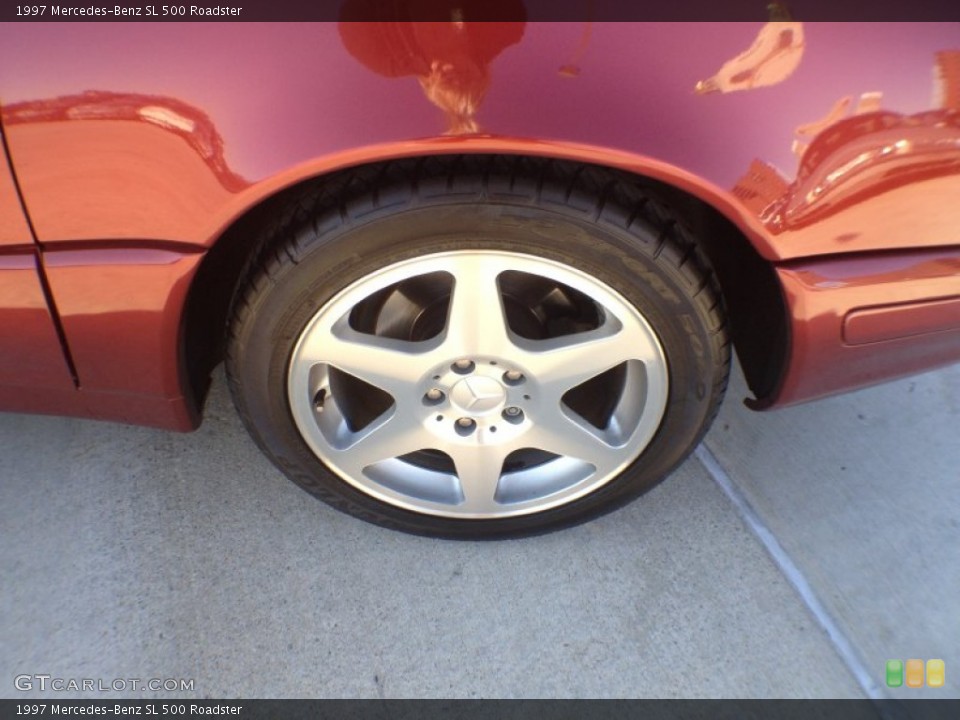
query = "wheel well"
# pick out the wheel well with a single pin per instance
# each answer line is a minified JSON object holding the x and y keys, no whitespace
{"x":756,"y":308}
{"x":752,"y":294}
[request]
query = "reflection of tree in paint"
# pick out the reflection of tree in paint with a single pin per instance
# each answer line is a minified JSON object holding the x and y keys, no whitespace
{"x":450,"y":58}
{"x":571,"y":68}
{"x":760,"y":186}
{"x":179,"y":118}
{"x":775,"y":54}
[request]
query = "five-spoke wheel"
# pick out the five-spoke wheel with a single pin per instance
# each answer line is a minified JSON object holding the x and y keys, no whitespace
{"x":478,"y":347}
{"x":482,"y":410}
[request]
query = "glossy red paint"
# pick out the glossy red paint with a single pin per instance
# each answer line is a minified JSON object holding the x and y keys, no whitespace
{"x":14,"y":231}
{"x":123,"y":336}
{"x":30,"y":352}
{"x":131,"y":170}
{"x":280,"y":103}
{"x":120,"y":310}
{"x":901,"y":320}
{"x":875,"y":180}
{"x":31,"y":356}
{"x":827,"y":296}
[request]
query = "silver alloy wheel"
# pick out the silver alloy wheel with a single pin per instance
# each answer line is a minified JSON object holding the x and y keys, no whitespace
{"x":473,"y":414}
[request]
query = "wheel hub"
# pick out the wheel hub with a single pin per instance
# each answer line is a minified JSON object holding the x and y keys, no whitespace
{"x":478,"y":395}
{"x":475,"y":400}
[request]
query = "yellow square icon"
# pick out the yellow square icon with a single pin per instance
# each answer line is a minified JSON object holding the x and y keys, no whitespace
{"x":935,"y":673}
{"x":915,"y":673}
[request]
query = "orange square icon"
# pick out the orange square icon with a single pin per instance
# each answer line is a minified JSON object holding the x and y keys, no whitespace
{"x":915,"y":673}
{"x":935,"y":673}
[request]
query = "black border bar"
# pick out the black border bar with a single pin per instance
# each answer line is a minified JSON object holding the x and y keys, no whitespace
{"x":491,"y":10}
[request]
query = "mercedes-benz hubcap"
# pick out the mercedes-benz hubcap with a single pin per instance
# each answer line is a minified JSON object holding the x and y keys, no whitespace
{"x":478,"y":395}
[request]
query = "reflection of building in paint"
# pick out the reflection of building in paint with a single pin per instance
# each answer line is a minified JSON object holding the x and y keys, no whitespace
{"x":947,"y":79}
{"x":869,"y":102}
{"x":867,"y":155}
{"x":775,"y":54}
{"x":760,"y":186}
{"x":874,"y":151}
{"x":179,"y":118}
{"x":849,"y":157}
{"x":450,"y":59}
{"x":946,"y":95}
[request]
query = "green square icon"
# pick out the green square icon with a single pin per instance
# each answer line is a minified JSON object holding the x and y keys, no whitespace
{"x":894,"y":673}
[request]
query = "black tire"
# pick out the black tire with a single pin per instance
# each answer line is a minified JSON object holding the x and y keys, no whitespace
{"x":600,"y":222}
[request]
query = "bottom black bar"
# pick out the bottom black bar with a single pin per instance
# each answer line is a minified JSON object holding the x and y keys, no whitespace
{"x":491,"y":709}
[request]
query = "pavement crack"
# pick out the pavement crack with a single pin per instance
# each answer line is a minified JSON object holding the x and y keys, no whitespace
{"x":838,"y":638}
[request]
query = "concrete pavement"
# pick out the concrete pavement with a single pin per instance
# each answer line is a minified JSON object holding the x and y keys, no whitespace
{"x":863,"y":492}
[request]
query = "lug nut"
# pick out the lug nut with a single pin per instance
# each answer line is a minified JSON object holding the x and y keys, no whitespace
{"x":465,"y":426}
{"x":513,"y":375}
{"x":434,"y":394}
{"x":463,"y":366}
{"x":513,"y":415}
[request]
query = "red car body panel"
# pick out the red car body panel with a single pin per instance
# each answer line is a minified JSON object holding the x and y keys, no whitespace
{"x":30,"y":351}
{"x":31,"y":355}
{"x":858,"y":321}
{"x":14,"y":231}
{"x":133,"y":294}
{"x":832,"y":147}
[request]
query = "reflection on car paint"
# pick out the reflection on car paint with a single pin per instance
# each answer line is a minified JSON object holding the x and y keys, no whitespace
{"x":14,"y":231}
{"x":571,"y":68}
{"x":124,"y":161}
{"x":873,"y":163}
{"x":451,"y":60}
{"x":185,"y":121}
{"x":866,"y":156}
{"x":775,"y":54}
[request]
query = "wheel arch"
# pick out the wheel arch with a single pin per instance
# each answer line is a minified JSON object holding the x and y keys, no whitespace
{"x":735,"y":242}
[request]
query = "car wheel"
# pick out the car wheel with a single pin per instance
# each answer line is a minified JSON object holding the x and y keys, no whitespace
{"x":478,"y":347}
